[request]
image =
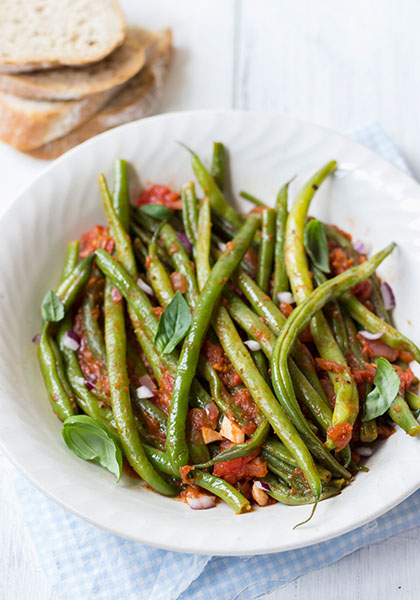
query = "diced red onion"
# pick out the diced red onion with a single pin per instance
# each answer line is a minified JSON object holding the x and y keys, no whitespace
{"x":148,"y":382}
{"x":364,"y":451}
{"x":144,"y":286}
{"x":36,"y":337}
{"x":371,"y":336}
{"x":144,"y":392}
{"x":286,"y":297}
{"x":116,"y":295}
{"x":221,"y":246}
{"x":252,"y":345}
{"x":184,"y":241}
{"x":262,"y":485}
{"x":202,"y":502}
{"x":388,"y":296}
{"x":92,"y":378}
{"x":71,"y":340}
{"x":361,"y":247}
{"x":89,"y":386}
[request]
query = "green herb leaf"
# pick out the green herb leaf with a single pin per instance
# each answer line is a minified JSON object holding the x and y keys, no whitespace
{"x":91,"y":440}
{"x":315,"y":242}
{"x":159,"y":212}
{"x":173,"y":324}
{"x":52,"y":308}
{"x":387,"y":385}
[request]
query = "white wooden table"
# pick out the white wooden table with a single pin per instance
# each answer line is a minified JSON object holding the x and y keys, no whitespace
{"x":337,"y":64}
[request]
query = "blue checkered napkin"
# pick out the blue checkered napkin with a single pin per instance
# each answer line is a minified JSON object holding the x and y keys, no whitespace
{"x":83,"y":562}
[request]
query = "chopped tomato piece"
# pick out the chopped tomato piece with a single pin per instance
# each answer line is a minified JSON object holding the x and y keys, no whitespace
{"x":363,"y":290}
{"x":286,"y":309}
{"x":340,"y":434}
{"x":196,"y":420}
{"x":339,"y":261}
{"x":160,"y":194}
{"x":179,"y":282}
{"x":377,"y":348}
{"x":233,"y":471}
{"x":184,"y":472}
{"x":406,"y":356}
{"x":97,"y":237}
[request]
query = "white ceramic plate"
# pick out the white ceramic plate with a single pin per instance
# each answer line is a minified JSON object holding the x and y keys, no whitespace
{"x":369,"y":197}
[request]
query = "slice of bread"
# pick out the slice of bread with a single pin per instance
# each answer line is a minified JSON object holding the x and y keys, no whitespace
{"x":74,"y":83}
{"x":27,"y":124}
{"x":136,"y":99}
{"x":39,"y":34}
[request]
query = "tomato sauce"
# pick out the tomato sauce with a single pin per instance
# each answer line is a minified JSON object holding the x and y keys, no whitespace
{"x":97,"y":237}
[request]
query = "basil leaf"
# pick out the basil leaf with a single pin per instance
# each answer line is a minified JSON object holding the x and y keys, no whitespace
{"x":387,"y":385}
{"x":91,"y":440}
{"x":173,"y":324}
{"x":160,"y":212}
{"x":315,"y":242}
{"x":52,"y":308}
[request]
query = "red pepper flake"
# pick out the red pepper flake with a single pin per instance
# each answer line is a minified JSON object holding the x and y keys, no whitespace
{"x":148,"y":261}
{"x":157,"y":310}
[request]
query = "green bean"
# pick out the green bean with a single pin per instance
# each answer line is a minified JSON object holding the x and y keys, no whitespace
{"x":158,"y":276}
{"x":263,"y":396}
{"x":211,"y":190}
{"x":347,"y":400}
{"x":294,"y":250}
{"x":91,"y":328}
{"x":252,"y":199}
{"x":122,"y":242}
{"x":202,"y":250}
{"x":181,"y":261}
{"x":401,"y":414}
{"x":127,"y":286}
{"x":368,"y":429}
{"x":211,"y":483}
{"x":61,"y":403}
{"x":275,"y":320}
{"x":260,"y":332}
{"x":140,"y":251}
{"x":70,"y":262}
{"x":334,"y":316}
{"x":120,"y":199}
{"x":280,"y":279}
{"x":290,"y":475}
{"x":115,"y":341}
{"x":413,"y":402}
{"x":376,"y":295}
{"x":369,"y":321}
{"x":286,"y":495}
{"x":85,"y":399}
{"x":176,"y":445}
{"x":298,"y":320}
{"x":61,"y":371}
{"x":218,"y":165}
{"x":189,"y":211}
{"x":261,"y":363}
{"x":265,"y":256}
{"x":69,"y":289}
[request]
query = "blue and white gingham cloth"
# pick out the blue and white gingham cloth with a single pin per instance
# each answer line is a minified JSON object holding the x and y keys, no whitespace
{"x":84,"y":562}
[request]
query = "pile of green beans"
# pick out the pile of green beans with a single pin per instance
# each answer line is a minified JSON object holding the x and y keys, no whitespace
{"x":248,"y":403}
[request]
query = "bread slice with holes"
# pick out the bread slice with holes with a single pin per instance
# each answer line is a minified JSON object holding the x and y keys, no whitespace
{"x":26,"y":124}
{"x":136,"y":99}
{"x":74,"y":83}
{"x":40,"y":34}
